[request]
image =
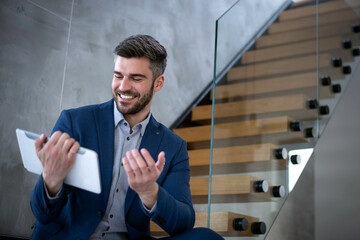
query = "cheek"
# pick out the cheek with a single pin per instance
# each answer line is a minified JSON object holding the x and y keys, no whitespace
{"x":114,"y":84}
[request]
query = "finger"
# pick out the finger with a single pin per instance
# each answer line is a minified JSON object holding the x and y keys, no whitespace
{"x":161,"y":161}
{"x":62,"y":138}
{"x":148,"y":159}
{"x":141,"y":162}
{"x":133,"y":163}
{"x":68,"y":143}
{"x":73,"y":150}
{"x":75,"y":147}
{"x":54,"y":138}
{"x":128,"y":168}
{"x":50,"y":146}
{"x":39,"y":143}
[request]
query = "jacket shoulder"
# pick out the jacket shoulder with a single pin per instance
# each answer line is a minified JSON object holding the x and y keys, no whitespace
{"x":90,"y":108}
{"x":173,"y":135}
{"x":168,"y":133}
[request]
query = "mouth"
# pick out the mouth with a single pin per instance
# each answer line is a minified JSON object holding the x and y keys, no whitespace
{"x":126,"y":97}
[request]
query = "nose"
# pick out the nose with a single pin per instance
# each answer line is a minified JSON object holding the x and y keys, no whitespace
{"x":125,"y":84}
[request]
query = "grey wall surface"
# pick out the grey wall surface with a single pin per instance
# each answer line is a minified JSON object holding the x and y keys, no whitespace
{"x":325,"y":202}
{"x":58,"y":54}
{"x":296,"y":218}
{"x":337,"y":170}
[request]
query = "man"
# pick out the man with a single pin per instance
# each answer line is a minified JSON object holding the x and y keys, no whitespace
{"x":137,"y":186}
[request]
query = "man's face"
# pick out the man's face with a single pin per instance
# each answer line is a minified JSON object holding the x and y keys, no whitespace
{"x":132,"y":85}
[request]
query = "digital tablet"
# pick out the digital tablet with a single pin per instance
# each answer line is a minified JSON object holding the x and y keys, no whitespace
{"x":85,"y":173}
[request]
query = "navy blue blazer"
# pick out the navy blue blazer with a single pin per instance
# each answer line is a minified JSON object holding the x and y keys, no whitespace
{"x":77,"y":213}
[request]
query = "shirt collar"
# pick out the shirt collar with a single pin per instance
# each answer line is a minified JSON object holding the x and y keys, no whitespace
{"x":119,"y":117}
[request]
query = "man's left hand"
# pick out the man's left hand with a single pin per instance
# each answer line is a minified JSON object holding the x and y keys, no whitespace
{"x":142,"y":174}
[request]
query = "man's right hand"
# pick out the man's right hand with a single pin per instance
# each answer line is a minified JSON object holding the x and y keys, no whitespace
{"x":57,"y":157}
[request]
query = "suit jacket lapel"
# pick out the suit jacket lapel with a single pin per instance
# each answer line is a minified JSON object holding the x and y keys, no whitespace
{"x":104,"y":120}
{"x":152,"y":137}
{"x":151,"y":142}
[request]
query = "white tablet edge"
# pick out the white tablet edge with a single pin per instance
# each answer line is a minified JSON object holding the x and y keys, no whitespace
{"x":85,"y":173}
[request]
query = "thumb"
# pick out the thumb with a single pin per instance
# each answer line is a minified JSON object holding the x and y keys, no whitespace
{"x":161,"y":161}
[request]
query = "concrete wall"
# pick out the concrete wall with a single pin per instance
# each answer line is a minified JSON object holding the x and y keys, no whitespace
{"x":325,"y":202}
{"x":58,"y":54}
{"x":296,"y":218}
{"x":337,"y":170}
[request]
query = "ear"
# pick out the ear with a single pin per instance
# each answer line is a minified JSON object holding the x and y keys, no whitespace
{"x":159,"y":83}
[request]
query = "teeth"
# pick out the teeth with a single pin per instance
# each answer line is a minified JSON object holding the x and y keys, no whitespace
{"x":126,"y":97}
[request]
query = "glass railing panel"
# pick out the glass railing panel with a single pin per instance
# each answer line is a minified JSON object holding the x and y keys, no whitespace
{"x":263,"y":117}
{"x":339,"y":37}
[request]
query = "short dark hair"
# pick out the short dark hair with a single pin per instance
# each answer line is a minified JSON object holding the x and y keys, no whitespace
{"x":144,"y":46}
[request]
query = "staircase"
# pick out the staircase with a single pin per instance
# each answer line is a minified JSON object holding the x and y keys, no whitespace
{"x":277,"y":98}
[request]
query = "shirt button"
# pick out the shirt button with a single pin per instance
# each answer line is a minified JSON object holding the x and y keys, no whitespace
{"x":99,"y":213}
{"x":108,"y":228}
{"x":103,"y":234}
{"x":111,"y":216}
{"x":125,"y":124}
{"x":117,"y":190}
{"x":128,"y":138}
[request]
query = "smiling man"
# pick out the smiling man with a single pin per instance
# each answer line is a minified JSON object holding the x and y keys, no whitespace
{"x":138,"y":184}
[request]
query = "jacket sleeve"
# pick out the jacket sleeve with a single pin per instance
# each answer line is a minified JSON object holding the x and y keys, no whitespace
{"x":174,"y":212}
{"x":43,"y":209}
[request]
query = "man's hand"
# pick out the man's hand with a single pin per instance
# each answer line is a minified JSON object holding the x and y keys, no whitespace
{"x":57,"y":157}
{"x":142,"y":174}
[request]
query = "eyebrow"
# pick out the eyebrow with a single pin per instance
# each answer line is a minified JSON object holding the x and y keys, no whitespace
{"x":132,"y":74}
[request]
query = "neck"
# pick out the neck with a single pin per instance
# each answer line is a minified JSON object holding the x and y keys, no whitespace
{"x":134,"y":119}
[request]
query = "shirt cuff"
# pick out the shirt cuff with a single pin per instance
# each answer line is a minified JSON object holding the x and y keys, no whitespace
{"x":150,"y":211}
{"x":57,"y":196}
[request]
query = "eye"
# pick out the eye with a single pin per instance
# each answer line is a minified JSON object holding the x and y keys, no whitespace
{"x":117,"y":76}
{"x":136,"y":78}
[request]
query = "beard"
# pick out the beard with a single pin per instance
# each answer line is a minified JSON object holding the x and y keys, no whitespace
{"x":142,"y":102}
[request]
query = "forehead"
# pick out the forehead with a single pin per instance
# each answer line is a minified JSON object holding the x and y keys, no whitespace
{"x":132,"y":65}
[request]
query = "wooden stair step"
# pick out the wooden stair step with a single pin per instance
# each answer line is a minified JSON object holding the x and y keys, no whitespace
{"x":306,"y":11}
{"x":237,"y":159}
{"x":294,"y":106}
{"x":324,"y":19}
{"x":331,"y":44}
{"x":220,"y":222}
{"x":286,"y":66}
{"x":343,"y":29}
{"x":232,"y":188}
{"x":268,"y":130}
{"x":305,"y":83}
